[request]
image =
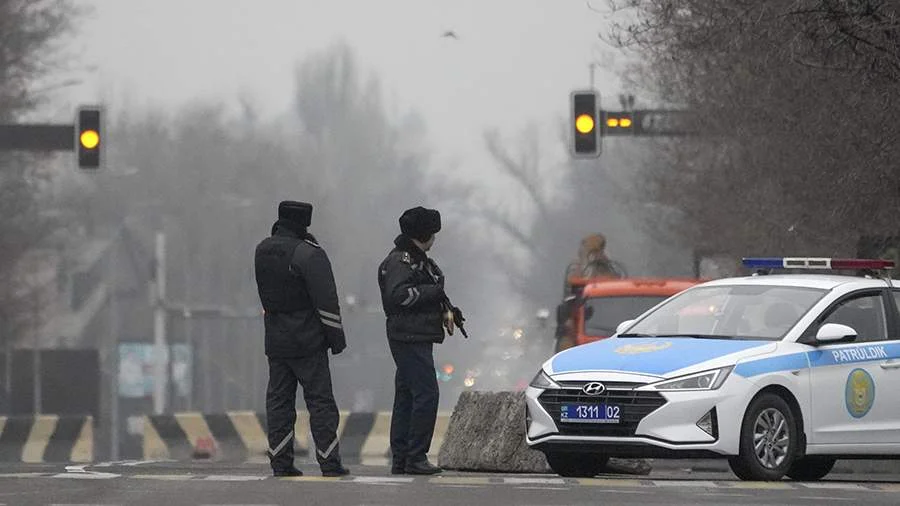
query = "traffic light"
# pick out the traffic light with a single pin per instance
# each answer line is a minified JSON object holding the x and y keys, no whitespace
{"x":617,"y":123}
{"x":585,"y":142}
{"x":89,"y":137}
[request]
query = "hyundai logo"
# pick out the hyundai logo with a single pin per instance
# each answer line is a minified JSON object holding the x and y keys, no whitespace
{"x":594,"y":388}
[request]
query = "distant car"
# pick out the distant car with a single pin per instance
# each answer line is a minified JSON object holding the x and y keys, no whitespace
{"x":780,"y":374}
{"x":602,"y":303}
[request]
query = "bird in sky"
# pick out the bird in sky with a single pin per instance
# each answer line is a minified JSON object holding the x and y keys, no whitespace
{"x":450,"y":34}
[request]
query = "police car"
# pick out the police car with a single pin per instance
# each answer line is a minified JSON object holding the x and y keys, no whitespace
{"x":781,"y":374}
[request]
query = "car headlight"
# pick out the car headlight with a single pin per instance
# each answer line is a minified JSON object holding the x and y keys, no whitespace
{"x":706,"y":380}
{"x":541,"y":380}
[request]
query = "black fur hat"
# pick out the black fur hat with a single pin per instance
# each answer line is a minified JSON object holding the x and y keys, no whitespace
{"x":420,"y":223}
{"x":297,"y":212}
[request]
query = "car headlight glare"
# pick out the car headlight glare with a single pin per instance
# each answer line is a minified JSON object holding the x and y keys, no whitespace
{"x":706,"y":380}
{"x":542,"y":380}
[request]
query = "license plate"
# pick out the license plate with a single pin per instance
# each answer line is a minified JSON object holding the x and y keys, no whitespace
{"x":589,"y":413}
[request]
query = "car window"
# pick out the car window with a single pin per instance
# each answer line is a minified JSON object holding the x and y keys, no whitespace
{"x":740,"y":311}
{"x":603,"y":314}
{"x":864,"y":314}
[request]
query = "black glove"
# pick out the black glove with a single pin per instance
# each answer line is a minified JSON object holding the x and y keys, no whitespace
{"x":336,"y":350}
{"x":460,"y":319}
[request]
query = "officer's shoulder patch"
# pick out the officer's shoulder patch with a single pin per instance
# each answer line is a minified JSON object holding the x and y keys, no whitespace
{"x":405,"y":257}
{"x":312,"y":243}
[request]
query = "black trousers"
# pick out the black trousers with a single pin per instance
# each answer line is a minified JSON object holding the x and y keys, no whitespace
{"x":415,"y":401}
{"x":281,"y":413}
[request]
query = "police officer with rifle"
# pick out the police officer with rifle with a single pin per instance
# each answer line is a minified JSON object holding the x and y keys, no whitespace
{"x":418,"y":313}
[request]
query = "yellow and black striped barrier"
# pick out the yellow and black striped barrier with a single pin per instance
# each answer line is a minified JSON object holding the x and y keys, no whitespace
{"x":241,"y":435}
{"x":46,"y":438}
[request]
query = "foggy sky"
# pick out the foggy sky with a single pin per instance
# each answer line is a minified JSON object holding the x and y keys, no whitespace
{"x":515,"y":62}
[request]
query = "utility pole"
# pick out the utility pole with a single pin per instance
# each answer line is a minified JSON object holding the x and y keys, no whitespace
{"x":161,"y":352}
{"x":113,"y":344}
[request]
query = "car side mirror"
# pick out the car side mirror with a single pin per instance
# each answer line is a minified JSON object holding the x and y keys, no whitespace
{"x":835,"y":332}
{"x":622,"y":327}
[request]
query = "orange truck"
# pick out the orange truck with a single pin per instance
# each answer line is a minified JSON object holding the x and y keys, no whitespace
{"x":596,"y":306}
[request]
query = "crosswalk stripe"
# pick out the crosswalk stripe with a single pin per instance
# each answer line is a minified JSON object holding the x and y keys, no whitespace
{"x":684,"y":483}
{"x":534,"y":481}
{"x":233,"y":477}
{"x":460,"y":480}
{"x":612,"y":482}
{"x":382,"y":479}
{"x":831,"y":486}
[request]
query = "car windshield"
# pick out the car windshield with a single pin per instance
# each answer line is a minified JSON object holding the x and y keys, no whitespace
{"x":729,"y":312}
{"x":603,"y":314}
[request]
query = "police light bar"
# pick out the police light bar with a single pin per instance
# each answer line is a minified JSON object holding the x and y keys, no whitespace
{"x":816,"y":263}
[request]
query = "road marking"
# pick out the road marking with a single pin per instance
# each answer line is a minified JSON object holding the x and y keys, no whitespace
{"x":309,"y":478}
{"x":460,"y":480}
{"x":543,"y":488}
{"x":87,"y":476}
{"x":534,"y":481}
{"x":886,"y":487}
{"x":684,"y":483}
{"x":821,"y":498}
{"x":24,"y":475}
{"x":760,"y":485}
{"x":831,"y":486}
{"x":233,"y":477}
{"x":382,"y":479}
{"x":461,"y":486}
{"x":604,"y":482}
{"x":724,"y":494}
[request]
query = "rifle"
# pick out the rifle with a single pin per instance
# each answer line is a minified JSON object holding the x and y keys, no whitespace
{"x":453,"y":316}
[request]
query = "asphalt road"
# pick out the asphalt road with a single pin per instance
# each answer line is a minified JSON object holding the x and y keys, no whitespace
{"x":172,"y":484}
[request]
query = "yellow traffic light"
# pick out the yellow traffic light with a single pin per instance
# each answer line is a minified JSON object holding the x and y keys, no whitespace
{"x":584,"y":124}
{"x":625,"y":122}
{"x":612,"y":122}
{"x":89,"y":139}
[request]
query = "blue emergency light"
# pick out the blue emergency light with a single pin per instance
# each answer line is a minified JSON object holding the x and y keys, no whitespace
{"x":816,"y":263}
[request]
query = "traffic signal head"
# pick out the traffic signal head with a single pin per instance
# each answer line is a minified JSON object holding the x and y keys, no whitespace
{"x":89,"y":138}
{"x":617,"y":123}
{"x":585,"y":142}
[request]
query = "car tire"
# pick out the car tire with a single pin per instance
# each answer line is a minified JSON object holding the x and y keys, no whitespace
{"x":576,"y":465}
{"x":768,"y":441}
{"x":811,"y":468}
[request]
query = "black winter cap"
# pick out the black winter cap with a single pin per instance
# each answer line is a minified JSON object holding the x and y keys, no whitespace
{"x":420,"y":223}
{"x":298,"y":212}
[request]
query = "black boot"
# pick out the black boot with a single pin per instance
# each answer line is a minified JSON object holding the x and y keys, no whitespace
{"x":398,"y":467}
{"x":291,"y":471}
{"x":422,"y":467}
{"x":335,"y":471}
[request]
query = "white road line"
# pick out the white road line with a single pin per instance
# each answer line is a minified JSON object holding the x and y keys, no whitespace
{"x":616,"y":491}
{"x":534,"y":481}
{"x":382,"y":479}
{"x":723,"y":494}
{"x":87,"y":476}
{"x":821,"y":498}
{"x":233,"y":477}
{"x":832,"y":486}
{"x":685,"y":483}
{"x":543,"y":488}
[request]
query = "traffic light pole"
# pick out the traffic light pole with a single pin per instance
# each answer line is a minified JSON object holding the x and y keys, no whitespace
{"x":37,"y":137}
{"x":84,"y":137}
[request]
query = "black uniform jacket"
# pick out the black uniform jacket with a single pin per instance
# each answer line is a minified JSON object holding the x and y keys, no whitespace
{"x":412,"y":293}
{"x":297,"y":289}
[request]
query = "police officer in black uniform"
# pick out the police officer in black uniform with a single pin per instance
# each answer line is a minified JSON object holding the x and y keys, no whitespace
{"x":412,"y":293}
{"x":302,"y":321}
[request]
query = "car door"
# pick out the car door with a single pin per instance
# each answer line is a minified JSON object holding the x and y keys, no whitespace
{"x":852,"y":385}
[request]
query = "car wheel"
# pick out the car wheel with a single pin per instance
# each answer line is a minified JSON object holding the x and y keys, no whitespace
{"x":768,"y":443}
{"x":576,"y":465}
{"x":811,"y":468}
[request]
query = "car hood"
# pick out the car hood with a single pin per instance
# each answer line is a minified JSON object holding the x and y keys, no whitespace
{"x":657,"y":356}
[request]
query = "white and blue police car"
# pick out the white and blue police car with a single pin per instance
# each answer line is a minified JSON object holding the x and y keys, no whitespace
{"x":781,"y":374}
